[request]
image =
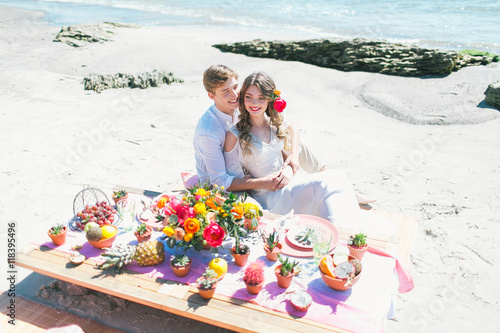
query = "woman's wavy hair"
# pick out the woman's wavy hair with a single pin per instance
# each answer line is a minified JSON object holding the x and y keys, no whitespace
{"x":267,"y":87}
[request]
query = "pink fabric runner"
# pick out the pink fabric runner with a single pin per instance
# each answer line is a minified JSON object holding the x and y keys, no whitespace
{"x":363,"y":308}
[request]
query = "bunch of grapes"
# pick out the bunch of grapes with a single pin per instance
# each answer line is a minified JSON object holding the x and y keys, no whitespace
{"x":100,"y":213}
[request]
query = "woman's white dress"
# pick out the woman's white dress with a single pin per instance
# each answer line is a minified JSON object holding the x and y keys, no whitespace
{"x":327,"y":194}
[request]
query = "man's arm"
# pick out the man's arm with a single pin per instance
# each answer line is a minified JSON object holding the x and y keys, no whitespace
{"x":209,"y":149}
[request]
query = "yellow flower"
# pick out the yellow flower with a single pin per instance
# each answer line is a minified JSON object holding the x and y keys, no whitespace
{"x":168,"y":231}
{"x":201,"y":192}
{"x":188,"y":237}
{"x":200,"y":208}
{"x":277,"y":92}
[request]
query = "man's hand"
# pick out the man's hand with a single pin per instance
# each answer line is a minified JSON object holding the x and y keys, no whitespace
{"x":293,"y":161}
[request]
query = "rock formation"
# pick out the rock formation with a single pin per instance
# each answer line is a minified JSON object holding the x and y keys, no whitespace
{"x":80,"y":35}
{"x":360,"y":55}
{"x":155,"y":78}
{"x":493,"y":95}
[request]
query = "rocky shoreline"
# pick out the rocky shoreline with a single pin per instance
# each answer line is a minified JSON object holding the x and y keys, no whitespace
{"x":362,"y":55}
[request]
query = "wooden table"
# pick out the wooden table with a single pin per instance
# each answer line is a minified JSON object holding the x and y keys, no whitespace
{"x":181,"y":299}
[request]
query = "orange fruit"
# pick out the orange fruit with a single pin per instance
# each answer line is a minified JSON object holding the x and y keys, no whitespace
{"x":326,"y":265}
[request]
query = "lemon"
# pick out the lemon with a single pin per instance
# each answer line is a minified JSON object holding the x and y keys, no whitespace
{"x":219,"y":266}
{"x":108,"y":231}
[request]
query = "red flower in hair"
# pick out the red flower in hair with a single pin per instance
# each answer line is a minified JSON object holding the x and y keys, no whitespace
{"x":279,"y":104}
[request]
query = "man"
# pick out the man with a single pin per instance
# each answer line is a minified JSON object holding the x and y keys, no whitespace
{"x":221,"y":84}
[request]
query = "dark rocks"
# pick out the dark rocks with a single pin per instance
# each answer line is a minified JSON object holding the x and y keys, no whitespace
{"x":493,"y":95}
{"x":358,"y":55}
{"x":99,"y":82}
{"x":80,"y":35}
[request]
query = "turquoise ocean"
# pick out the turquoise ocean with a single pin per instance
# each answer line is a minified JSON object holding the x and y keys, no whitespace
{"x":442,"y":24}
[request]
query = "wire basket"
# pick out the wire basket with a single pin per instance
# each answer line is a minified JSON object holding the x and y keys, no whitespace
{"x":88,"y":196}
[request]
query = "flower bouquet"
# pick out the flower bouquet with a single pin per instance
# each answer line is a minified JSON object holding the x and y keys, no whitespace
{"x":203,"y":216}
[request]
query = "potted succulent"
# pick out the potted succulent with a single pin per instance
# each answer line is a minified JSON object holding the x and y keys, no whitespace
{"x":252,"y":215}
{"x":285,"y":272}
{"x":240,"y":251}
{"x":119,"y":195}
{"x":58,"y":234}
{"x":254,"y":277}
{"x":272,"y":246}
{"x":357,"y":245}
{"x":143,"y":233}
{"x":206,"y":283}
{"x":180,"y":264}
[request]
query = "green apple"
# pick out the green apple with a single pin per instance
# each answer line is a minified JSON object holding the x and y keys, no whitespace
{"x":89,"y":225}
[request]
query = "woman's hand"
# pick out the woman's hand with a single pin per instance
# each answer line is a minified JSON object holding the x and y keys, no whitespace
{"x":292,"y":161}
{"x":283,"y":177}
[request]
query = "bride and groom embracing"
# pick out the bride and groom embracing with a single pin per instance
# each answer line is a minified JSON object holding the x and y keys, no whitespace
{"x":244,"y":143}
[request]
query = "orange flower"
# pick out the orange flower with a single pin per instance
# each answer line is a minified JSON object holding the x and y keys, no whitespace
{"x":179,"y":234}
{"x":162,"y":202}
{"x":277,"y":92}
{"x":188,"y":237}
{"x":191,"y":225}
{"x":212,"y":204}
{"x":200,"y":208}
{"x":237,"y":211}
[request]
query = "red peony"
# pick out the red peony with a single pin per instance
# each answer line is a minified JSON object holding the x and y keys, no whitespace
{"x":214,"y":234}
{"x":279,"y":104}
{"x":184,"y":213}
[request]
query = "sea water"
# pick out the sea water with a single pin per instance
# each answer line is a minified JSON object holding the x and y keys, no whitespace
{"x":443,"y":24}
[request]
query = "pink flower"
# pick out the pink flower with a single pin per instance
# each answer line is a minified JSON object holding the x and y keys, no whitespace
{"x":197,"y":197}
{"x":214,"y":234}
{"x":184,"y":213}
{"x":220,"y":199}
{"x":179,"y":234}
{"x":279,"y":104}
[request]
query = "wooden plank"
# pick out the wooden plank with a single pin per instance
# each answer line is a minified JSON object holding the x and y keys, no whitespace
{"x":194,"y":307}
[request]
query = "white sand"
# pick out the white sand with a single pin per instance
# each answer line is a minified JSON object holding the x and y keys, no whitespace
{"x":55,"y":137}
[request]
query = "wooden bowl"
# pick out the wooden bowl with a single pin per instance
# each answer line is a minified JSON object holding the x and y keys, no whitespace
{"x":105,"y":242}
{"x":340,"y":284}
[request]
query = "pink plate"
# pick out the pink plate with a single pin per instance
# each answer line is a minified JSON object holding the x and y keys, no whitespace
{"x":297,"y":251}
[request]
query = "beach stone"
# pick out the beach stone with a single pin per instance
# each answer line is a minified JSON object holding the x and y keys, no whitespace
{"x":375,"y":56}
{"x":73,"y":289}
{"x":145,"y":80}
{"x":80,"y":35}
{"x":493,"y":95}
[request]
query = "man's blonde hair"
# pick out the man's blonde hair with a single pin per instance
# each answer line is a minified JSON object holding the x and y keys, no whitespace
{"x":217,"y":75}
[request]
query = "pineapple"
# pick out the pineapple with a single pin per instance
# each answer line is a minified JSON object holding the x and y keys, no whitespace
{"x":148,"y":253}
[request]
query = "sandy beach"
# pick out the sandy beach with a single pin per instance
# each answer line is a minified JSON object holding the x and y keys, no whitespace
{"x":56,"y":137}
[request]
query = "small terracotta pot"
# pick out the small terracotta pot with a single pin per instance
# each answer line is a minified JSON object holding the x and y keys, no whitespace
{"x":248,"y":223}
{"x":181,"y":271}
{"x":283,"y":281}
{"x":358,"y":253}
{"x":207,"y":293}
{"x":120,"y":199}
{"x":60,"y":238}
{"x":254,"y":289}
{"x":145,"y":236}
{"x":207,"y":246}
{"x":273,"y":256}
{"x":240,"y":259}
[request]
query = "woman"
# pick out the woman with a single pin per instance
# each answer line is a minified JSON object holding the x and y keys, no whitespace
{"x":256,"y":145}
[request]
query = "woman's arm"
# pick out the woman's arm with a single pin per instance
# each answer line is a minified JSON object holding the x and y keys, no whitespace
{"x":233,"y":166}
{"x":292,"y":159}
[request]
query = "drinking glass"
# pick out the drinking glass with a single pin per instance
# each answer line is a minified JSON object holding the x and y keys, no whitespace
{"x":321,"y":244}
{"x":126,"y":210}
